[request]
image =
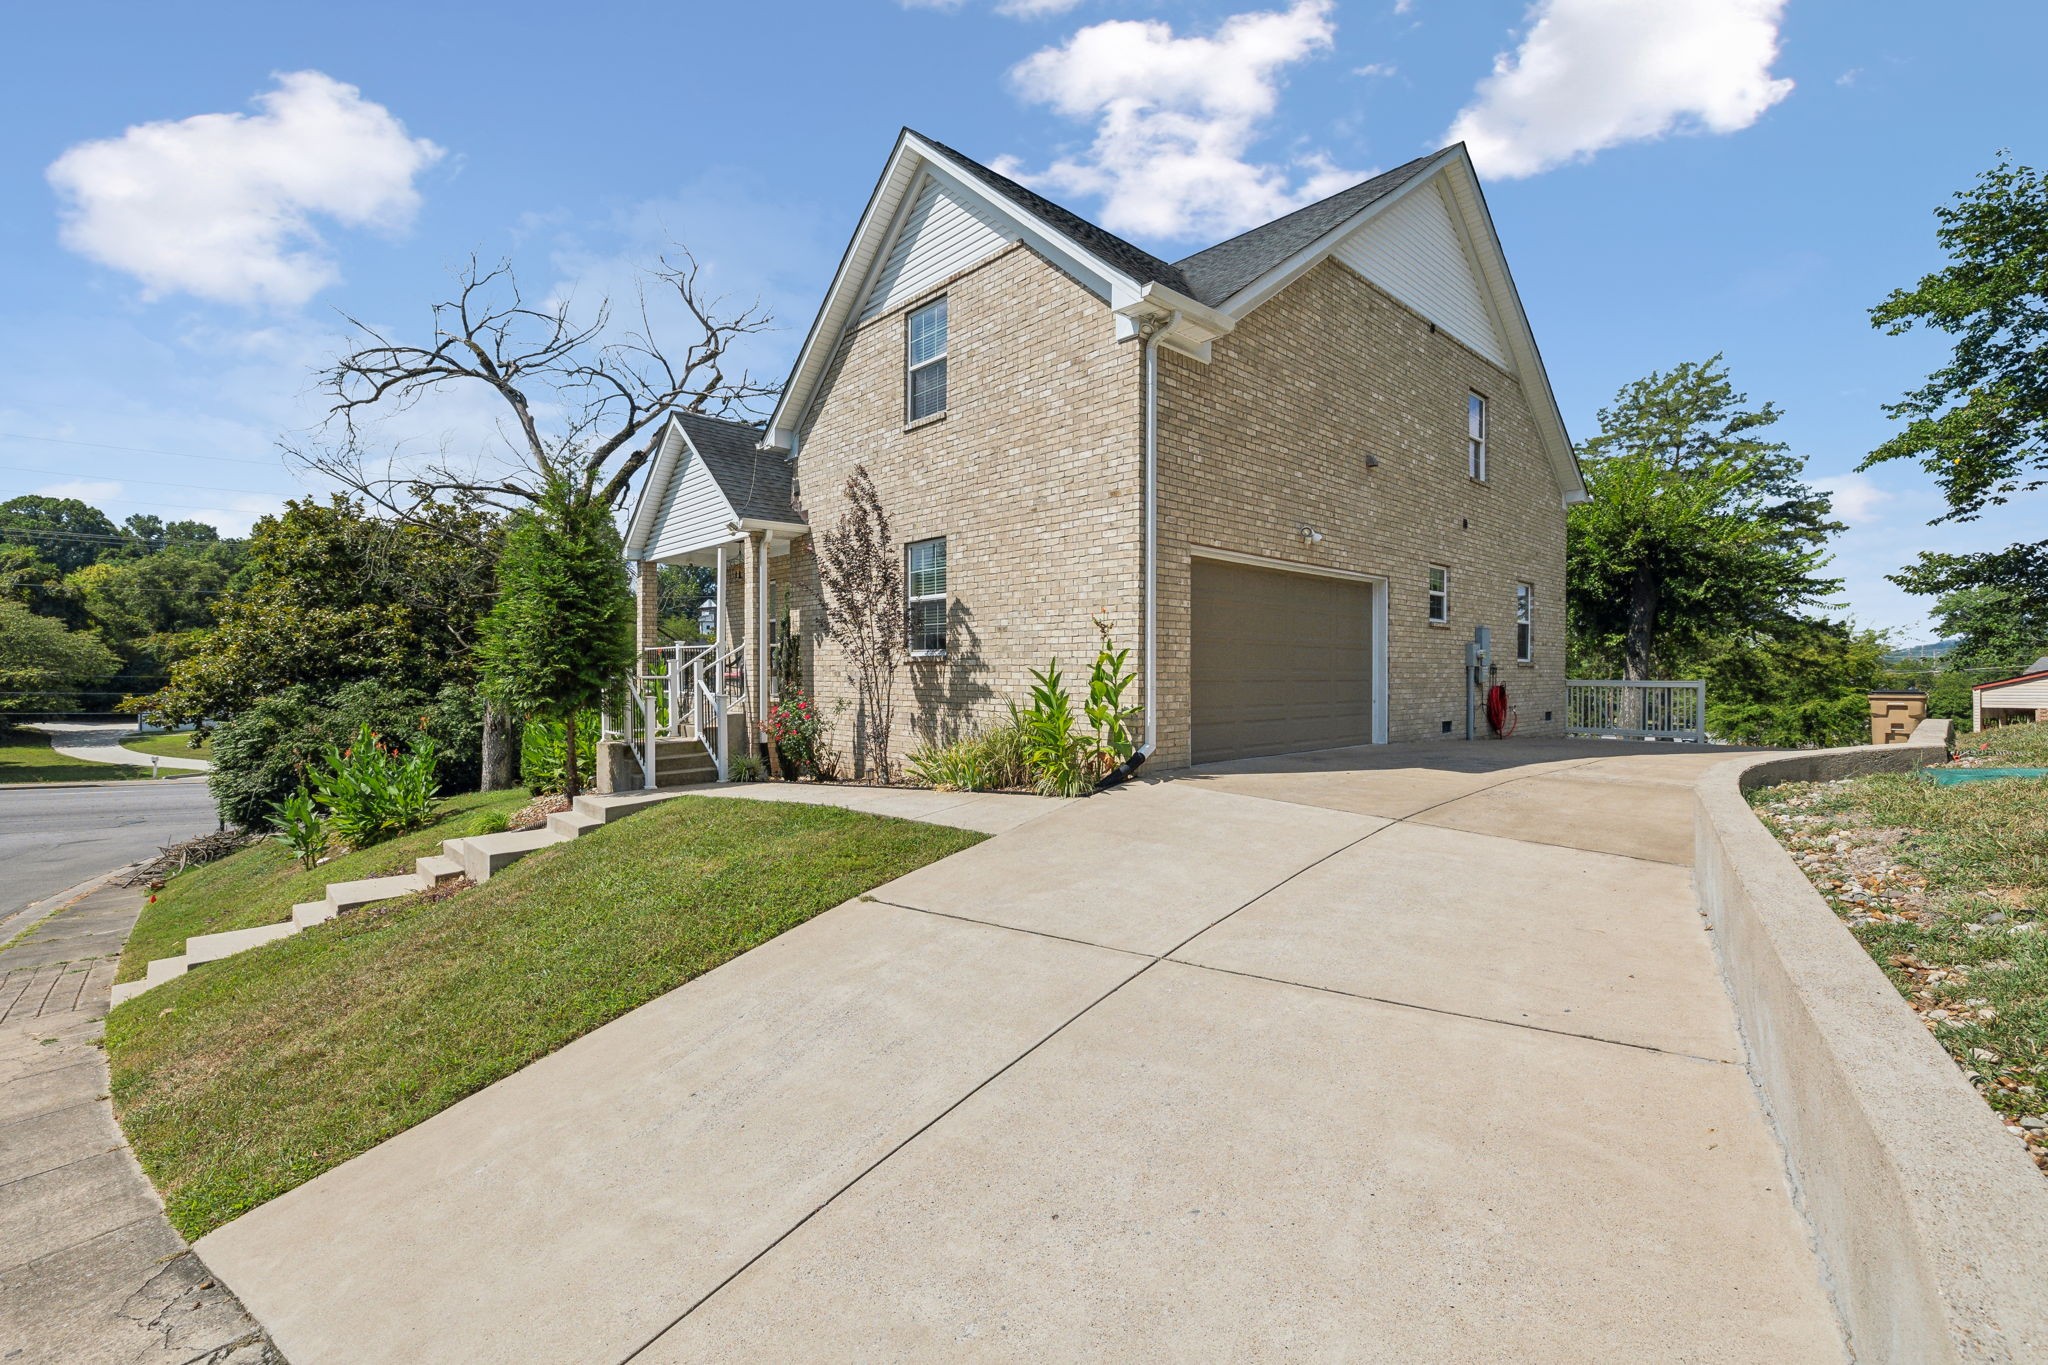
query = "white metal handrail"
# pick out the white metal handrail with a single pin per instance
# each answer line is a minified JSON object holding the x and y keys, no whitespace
{"x":1620,"y":708}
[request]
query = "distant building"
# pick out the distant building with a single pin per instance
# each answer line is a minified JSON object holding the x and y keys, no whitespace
{"x":2008,"y":700}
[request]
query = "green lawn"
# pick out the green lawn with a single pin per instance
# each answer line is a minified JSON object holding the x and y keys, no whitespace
{"x":260,"y":885}
{"x":26,"y":756}
{"x":1947,"y":888}
{"x":254,"y":1074}
{"x":170,"y":746}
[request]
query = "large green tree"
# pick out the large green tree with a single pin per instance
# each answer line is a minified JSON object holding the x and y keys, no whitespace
{"x":1698,"y":528}
{"x":332,"y":595}
{"x":1979,"y":425}
{"x":68,"y":533}
{"x":562,"y":628}
{"x":43,"y":666}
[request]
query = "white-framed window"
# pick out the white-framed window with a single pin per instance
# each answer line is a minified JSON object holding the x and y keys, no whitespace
{"x":925,"y":357}
{"x":1525,"y":622}
{"x":924,"y":583}
{"x":1439,"y":595}
{"x":1475,"y":436}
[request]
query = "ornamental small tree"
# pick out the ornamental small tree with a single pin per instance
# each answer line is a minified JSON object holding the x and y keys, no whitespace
{"x":862,"y":577}
{"x":562,"y":629}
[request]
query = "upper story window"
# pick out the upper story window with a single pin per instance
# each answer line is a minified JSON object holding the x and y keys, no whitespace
{"x":1439,"y":595}
{"x":924,"y":582}
{"x":1525,"y":622}
{"x":1475,"y":436}
{"x":925,"y":331}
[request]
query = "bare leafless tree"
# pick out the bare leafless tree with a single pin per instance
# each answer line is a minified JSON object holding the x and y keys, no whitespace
{"x":580,"y":396}
{"x":581,"y":399}
{"x":863,"y":585}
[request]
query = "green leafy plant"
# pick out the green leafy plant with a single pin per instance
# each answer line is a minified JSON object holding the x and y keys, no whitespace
{"x":992,"y":760}
{"x":295,"y":823}
{"x":745,"y":768}
{"x":544,"y":753}
{"x":372,"y":792}
{"x":1061,"y":759}
{"x":1110,"y":678}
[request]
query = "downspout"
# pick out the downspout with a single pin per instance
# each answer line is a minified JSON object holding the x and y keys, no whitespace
{"x":1149,"y":329}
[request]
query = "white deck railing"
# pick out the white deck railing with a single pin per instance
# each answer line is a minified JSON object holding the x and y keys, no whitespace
{"x":679,"y":692}
{"x":1620,"y":709}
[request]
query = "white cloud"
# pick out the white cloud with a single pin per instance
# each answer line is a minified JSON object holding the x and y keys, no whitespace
{"x":1035,"y":9}
{"x":223,"y":205}
{"x":1376,"y":69}
{"x":85,"y":490}
{"x":1176,"y":117}
{"x":1591,"y":74}
{"x":1850,"y":76}
{"x":1857,"y":497}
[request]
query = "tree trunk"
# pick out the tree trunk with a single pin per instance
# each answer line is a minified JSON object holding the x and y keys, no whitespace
{"x":1643,"y":593}
{"x":572,"y":780}
{"x":501,"y":750}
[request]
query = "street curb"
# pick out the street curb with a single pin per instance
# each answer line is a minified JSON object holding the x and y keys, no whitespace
{"x":1923,"y":1210}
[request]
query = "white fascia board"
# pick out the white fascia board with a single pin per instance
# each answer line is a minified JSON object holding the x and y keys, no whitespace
{"x":1190,"y":324}
{"x":1294,"y":267}
{"x":791,"y":529}
{"x":912,"y":158}
{"x":877,"y":221}
{"x":660,"y":470}
{"x":1475,"y":221}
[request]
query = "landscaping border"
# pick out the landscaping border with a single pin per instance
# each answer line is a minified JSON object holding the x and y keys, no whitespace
{"x":1927,"y":1217}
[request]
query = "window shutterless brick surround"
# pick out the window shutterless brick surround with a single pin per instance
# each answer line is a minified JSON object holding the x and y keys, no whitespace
{"x":1033,"y":475}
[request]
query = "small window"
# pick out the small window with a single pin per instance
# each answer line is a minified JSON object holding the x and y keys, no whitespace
{"x":1525,"y":622}
{"x":924,"y":580}
{"x":1475,"y":436}
{"x":926,"y":334}
{"x":1439,"y":595}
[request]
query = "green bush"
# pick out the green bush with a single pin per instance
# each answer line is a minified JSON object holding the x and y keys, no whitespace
{"x":1062,"y":759}
{"x":543,"y":752}
{"x":262,"y":755}
{"x":372,"y":791}
{"x":1822,"y":723}
{"x":992,"y":760}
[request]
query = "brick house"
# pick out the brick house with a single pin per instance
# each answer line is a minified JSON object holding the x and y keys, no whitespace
{"x":1295,"y":469}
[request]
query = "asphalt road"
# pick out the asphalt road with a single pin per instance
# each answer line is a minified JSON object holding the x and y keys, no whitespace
{"x":54,"y":837}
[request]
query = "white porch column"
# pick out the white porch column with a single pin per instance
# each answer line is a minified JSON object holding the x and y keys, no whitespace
{"x":647,"y":596}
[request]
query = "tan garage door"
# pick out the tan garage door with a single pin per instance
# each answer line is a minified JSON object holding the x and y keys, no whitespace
{"x":1282,"y":662}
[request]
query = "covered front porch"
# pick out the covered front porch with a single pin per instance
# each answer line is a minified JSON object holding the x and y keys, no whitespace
{"x":690,"y":709}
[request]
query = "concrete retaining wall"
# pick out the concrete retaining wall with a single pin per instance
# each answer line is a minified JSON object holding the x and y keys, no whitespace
{"x":1930,"y":1221}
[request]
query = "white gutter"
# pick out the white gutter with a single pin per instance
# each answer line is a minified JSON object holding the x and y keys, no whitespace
{"x":1151,"y":329}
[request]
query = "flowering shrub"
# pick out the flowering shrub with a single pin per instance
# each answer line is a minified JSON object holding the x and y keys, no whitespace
{"x":372,"y":792}
{"x":797,"y":731}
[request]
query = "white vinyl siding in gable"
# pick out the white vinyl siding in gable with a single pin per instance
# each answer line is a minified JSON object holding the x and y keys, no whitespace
{"x":1413,"y":251}
{"x":937,"y":238}
{"x":693,"y":511}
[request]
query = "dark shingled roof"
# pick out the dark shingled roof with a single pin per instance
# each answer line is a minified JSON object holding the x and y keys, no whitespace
{"x":1212,"y":275}
{"x":1139,"y":264}
{"x":1216,"y":273}
{"x":755,"y":481}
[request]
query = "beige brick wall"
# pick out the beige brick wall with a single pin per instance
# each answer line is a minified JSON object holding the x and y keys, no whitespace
{"x":1032,"y":476}
{"x":1274,"y":433}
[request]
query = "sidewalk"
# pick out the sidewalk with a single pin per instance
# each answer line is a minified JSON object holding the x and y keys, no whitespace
{"x":92,"y":1272}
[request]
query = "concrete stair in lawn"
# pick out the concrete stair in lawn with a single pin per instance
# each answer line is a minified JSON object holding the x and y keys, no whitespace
{"x":478,"y":857}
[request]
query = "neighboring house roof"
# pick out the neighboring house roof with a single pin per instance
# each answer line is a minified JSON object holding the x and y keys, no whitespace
{"x":2036,"y":671}
{"x":1204,"y":294}
{"x":1215,"y":274}
{"x":719,"y":468}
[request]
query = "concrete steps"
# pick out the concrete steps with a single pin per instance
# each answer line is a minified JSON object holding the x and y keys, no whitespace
{"x":477,"y":857}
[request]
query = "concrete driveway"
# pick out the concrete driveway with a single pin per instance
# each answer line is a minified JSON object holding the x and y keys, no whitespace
{"x":1400,"y":1053}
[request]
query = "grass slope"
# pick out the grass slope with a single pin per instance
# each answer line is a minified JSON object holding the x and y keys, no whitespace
{"x":1947,"y":888}
{"x":169,"y":746}
{"x":252,"y":1075}
{"x":260,"y":885}
{"x":26,"y":756}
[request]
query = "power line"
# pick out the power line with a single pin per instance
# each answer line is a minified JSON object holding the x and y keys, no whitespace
{"x":132,"y":450}
{"x":154,"y":483}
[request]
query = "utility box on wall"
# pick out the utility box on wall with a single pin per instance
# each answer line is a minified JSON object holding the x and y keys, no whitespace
{"x":1894,"y":714}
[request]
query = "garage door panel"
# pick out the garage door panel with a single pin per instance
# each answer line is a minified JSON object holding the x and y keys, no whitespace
{"x":1281,"y":662}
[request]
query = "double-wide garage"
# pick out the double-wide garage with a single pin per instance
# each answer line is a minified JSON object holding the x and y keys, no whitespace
{"x":1281,"y":661}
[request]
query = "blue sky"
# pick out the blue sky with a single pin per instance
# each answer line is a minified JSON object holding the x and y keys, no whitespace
{"x":194,"y":194}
